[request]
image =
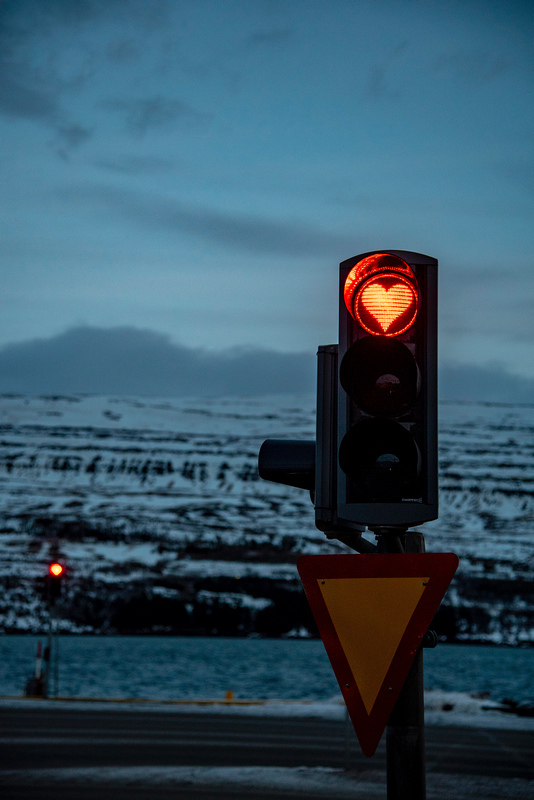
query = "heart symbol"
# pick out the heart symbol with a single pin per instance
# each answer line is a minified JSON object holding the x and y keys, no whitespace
{"x":386,"y":303}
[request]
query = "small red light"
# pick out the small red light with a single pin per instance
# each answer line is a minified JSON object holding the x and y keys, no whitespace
{"x":56,"y":569}
{"x":381,"y":295}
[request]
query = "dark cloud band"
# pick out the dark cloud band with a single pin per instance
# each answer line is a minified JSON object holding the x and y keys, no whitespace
{"x":128,"y":360}
{"x":240,"y":231}
{"x":124,"y":360}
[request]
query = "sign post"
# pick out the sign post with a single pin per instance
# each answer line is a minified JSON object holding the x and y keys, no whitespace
{"x":405,"y":732}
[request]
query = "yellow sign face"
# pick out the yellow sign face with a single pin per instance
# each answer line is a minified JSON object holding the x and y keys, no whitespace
{"x":372,"y":611}
{"x":370,"y":616}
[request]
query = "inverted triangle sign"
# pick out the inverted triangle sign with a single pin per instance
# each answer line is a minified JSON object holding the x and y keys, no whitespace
{"x":372,"y":611}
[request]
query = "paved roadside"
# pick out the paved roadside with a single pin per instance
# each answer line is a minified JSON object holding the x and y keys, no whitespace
{"x":76,"y":751}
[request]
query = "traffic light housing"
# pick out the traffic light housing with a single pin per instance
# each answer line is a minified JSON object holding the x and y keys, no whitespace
{"x":375,"y":462}
{"x":386,"y":387}
{"x":56,"y":573}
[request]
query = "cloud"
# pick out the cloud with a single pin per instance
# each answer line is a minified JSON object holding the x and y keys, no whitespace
{"x":491,"y":383}
{"x":31,"y":90}
{"x":238,"y":231}
{"x":274,"y":37}
{"x":521,"y":173}
{"x":27,"y":97}
{"x":475,"y":66}
{"x":123,"y":51}
{"x":80,"y":12}
{"x":18,"y":99}
{"x":69,"y":137}
{"x":379,"y":74}
{"x":141,"y":114}
{"x":69,"y":12}
{"x":128,"y":360}
{"x":34,"y":65}
{"x":135,"y":165}
{"x":132,"y":361}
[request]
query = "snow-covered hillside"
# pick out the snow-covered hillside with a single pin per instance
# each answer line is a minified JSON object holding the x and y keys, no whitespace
{"x":158,"y":510}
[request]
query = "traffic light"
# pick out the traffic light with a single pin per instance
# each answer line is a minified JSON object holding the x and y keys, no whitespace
{"x":56,"y":573}
{"x":374,"y":462}
{"x":385,"y":392}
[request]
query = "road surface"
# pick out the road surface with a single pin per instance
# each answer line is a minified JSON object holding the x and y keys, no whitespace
{"x":60,"y":751}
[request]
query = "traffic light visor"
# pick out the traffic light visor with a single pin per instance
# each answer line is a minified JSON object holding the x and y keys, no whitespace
{"x":56,"y":569}
{"x":381,"y":294}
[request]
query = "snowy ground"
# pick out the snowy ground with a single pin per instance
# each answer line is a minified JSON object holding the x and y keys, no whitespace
{"x":144,"y":489}
{"x":307,"y":782}
{"x":185,"y":468}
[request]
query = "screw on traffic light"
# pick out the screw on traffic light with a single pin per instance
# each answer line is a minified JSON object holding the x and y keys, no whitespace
{"x":386,"y":443}
{"x":56,"y":573}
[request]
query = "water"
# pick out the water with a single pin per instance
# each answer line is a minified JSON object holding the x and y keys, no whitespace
{"x":165,"y":668}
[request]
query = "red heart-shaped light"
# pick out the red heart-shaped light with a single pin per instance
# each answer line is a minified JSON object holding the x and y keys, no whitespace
{"x":386,"y":303}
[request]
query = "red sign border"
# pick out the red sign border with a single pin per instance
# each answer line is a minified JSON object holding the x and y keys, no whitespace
{"x":438,"y":567}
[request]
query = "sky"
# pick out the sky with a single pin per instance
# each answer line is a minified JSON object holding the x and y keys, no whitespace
{"x":187,"y":176}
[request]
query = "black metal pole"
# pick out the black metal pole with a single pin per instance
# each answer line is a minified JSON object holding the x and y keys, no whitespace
{"x":405,"y":732}
{"x":405,"y":739}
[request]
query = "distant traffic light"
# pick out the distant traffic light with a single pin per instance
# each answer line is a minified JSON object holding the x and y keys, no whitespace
{"x":56,"y":573}
{"x":386,"y":436}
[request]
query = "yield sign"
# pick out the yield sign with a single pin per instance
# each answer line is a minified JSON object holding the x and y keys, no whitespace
{"x":372,"y":612}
